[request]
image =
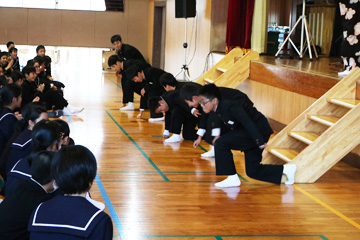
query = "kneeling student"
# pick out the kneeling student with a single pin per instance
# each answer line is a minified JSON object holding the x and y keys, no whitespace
{"x":247,"y":131}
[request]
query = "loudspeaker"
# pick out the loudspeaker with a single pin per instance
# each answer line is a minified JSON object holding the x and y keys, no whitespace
{"x":185,"y":8}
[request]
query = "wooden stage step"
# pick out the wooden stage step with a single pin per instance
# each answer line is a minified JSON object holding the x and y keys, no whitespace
{"x":327,"y":120}
{"x":221,"y":69}
{"x":208,"y":80}
{"x":286,"y":154}
{"x":305,"y":137}
{"x":345,"y":102}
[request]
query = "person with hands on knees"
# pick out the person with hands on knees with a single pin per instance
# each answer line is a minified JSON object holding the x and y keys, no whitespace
{"x":247,"y":130}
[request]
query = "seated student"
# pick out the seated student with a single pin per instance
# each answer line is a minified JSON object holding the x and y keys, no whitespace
{"x":17,"y":78}
{"x":120,"y":65}
{"x":26,"y":195}
{"x":66,"y":140}
{"x":177,"y":115}
{"x":33,"y":89}
{"x":9,"y":45}
{"x":45,"y":135}
{"x":74,"y":170}
{"x":191,"y":96}
{"x":247,"y":131}
{"x":6,"y":63}
{"x":145,"y":83}
{"x":10,"y":99}
{"x":40,"y":51}
{"x":13,"y":55}
{"x":19,"y":145}
{"x":169,"y":82}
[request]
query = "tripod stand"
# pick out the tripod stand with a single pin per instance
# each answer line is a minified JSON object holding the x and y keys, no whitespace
{"x":309,"y":39}
{"x":185,"y":68}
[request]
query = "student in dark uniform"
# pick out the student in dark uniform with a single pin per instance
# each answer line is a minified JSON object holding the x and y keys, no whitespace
{"x":177,"y":115}
{"x":66,"y":140}
{"x":6,"y":63}
{"x":19,"y":146}
{"x":121,"y":65}
{"x":169,"y":82}
{"x":13,"y":55}
{"x":248,"y":131}
{"x":191,"y":96}
{"x":46,"y":135}
{"x":10,"y":99}
{"x":146,"y":83}
{"x":72,"y":216}
{"x":26,"y":195}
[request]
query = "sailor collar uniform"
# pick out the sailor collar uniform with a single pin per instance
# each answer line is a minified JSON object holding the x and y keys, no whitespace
{"x":20,"y":171}
{"x":20,"y":148}
{"x":72,"y":216}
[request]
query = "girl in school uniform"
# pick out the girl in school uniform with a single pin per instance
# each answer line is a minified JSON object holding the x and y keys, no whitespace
{"x":72,"y":215}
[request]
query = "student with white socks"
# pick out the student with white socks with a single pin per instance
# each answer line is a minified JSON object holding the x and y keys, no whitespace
{"x":248,"y":131}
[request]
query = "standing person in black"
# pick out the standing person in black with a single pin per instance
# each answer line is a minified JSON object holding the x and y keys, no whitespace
{"x":248,"y":131}
{"x":126,"y":52}
{"x":120,"y":65}
{"x":26,"y":195}
{"x":146,"y":83}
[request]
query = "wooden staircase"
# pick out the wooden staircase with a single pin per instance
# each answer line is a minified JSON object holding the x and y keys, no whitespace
{"x":231,"y":70}
{"x":322,"y":135}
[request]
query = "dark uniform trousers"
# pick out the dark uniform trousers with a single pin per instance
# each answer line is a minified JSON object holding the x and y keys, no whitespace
{"x":181,"y":118}
{"x":239,"y":139}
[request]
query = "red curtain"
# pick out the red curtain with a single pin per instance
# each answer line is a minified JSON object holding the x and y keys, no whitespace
{"x":239,"y":23}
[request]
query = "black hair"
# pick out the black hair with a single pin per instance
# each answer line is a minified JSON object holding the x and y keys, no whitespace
{"x":39,"y":59}
{"x":39,"y":47}
{"x":27,"y":70}
{"x":168,"y":79}
{"x":9,"y":43}
{"x":41,"y":166}
{"x":210,"y":91}
{"x":64,"y":127}
{"x":132,"y":72}
{"x":153,"y":103}
{"x":47,"y":60}
{"x":3,"y":80}
{"x":7,"y":93}
{"x":113,"y":59}
{"x":45,"y":134}
{"x":3,"y":54}
{"x":116,"y":38}
{"x":32,"y":111}
{"x":16,"y":76}
{"x":12,"y":49}
{"x":74,"y":169}
{"x":189,"y":90}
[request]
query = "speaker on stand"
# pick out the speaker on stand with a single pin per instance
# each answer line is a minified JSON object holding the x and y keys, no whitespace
{"x":185,"y":9}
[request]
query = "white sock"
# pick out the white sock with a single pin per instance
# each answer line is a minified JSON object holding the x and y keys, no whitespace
{"x":210,"y":153}
{"x":289,"y":171}
{"x":174,"y":138}
{"x":156,"y":119}
{"x":166,"y":133}
{"x":230,"y":181}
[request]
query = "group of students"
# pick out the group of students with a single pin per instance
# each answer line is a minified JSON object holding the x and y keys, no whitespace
{"x":225,"y":118}
{"x":42,"y":171}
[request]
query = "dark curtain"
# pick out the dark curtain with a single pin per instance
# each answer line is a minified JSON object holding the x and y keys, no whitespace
{"x":337,"y":37}
{"x":239,"y":23}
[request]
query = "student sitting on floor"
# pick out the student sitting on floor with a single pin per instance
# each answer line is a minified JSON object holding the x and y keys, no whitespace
{"x":17,"y":78}
{"x":66,"y":140}
{"x":26,"y":195}
{"x":247,"y":131}
{"x":120,"y":65}
{"x":13,"y":55}
{"x":6,"y":63}
{"x":146,"y":83}
{"x":9,"y":45}
{"x":46,"y":135}
{"x":33,"y":90}
{"x":40,"y":51}
{"x":74,"y":170}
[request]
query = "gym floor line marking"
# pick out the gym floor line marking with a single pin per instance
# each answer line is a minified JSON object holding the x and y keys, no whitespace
{"x":138,"y":147}
{"x":352,"y":222}
{"x":220,"y":237}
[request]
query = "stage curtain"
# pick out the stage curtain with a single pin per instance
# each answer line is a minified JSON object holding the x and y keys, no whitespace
{"x":239,"y":23}
{"x":259,"y":27}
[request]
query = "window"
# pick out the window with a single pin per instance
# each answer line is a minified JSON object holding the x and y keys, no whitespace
{"x":88,"y":5}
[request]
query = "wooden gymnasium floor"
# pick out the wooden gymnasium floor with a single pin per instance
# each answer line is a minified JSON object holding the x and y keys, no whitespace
{"x":157,"y":191}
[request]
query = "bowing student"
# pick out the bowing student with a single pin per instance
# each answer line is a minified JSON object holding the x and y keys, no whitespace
{"x":247,"y":131}
{"x":73,"y":216}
